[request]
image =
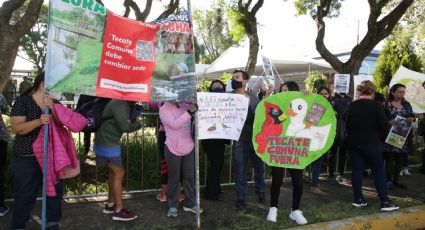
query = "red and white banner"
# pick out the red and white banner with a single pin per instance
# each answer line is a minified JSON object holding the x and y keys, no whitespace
{"x":128,"y":59}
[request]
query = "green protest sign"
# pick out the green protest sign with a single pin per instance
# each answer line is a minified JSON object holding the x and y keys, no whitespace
{"x":292,"y":130}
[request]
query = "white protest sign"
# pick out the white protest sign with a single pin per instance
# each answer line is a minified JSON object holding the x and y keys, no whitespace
{"x":221,"y":115}
{"x":268,"y":70}
{"x":342,"y":83}
{"x":358,"y":79}
{"x":415,"y":93}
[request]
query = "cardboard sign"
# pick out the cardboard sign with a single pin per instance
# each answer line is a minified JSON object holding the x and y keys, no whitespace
{"x":342,"y":83}
{"x":221,"y":115}
{"x":292,"y":130}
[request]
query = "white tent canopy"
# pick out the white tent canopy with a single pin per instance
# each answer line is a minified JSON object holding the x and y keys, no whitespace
{"x":236,"y":58}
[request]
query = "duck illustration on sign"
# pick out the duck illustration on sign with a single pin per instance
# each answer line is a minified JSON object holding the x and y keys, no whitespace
{"x":318,"y":135}
{"x":292,"y":130}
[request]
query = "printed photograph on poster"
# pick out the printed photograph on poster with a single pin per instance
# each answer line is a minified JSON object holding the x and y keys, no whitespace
{"x":342,"y":83}
{"x":398,"y":134}
{"x":174,"y":75}
{"x":358,"y":79}
{"x":221,"y":115}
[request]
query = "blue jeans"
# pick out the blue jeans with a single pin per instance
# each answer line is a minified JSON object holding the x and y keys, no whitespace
{"x":371,"y":155}
{"x":28,"y":179}
{"x":316,"y":166}
{"x":241,"y":152}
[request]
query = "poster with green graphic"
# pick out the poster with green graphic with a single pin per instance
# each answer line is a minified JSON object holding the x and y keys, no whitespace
{"x":291,"y":130}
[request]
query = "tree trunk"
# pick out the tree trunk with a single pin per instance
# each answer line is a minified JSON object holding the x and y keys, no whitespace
{"x":11,"y":34}
{"x":9,"y":49}
{"x":253,"y":51}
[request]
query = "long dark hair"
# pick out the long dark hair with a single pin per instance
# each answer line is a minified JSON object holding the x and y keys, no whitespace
{"x":212,"y":83}
{"x":393,"y":89}
{"x":292,"y":86}
{"x":37,"y":82}
{"x":327,"y":90}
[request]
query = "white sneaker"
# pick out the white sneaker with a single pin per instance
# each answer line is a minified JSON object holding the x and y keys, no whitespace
{"x":297,"y":215}
{"x":272,"y":216}
{"x":405,"y":172}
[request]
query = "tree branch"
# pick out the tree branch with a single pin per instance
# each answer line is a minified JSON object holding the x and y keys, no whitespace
{"x":257,"y":6}
{"x":7,"y":9}
{"x":30,"y":17}
{"x":387,"y":24}
{"x":146,"y":11}
{"x":172,"y":7}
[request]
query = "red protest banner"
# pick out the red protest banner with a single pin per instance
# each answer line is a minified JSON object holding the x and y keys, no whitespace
{"x":128,"y":59}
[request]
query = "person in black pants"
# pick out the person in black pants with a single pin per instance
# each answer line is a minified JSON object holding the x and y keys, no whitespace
{"x":26,"y":120}
{"x":365,"y":119}
{"x":82,"y":100}
{"x":4,"y":139}
{"x":395,"y":106}
{"x":296,"y":178}
{"x":214,"y":149}
{"x":339,"y":148}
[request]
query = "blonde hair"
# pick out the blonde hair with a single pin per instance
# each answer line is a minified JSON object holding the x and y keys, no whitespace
{"x":366,"y":88}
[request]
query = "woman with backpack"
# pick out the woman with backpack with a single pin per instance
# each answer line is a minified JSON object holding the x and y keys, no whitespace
{"x":395,"y":106}
{"x":115,"y":122}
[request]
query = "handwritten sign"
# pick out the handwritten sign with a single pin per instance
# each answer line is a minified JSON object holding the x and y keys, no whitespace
{"x":221,"y":115}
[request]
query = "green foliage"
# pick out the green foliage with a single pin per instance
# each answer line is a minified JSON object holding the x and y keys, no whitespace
{"x":398,"y":51}
{"x":310,"y":6}
{"x":204,"y":84}
{"x":315,"y":80}
{"x":237,"y":30}
{"x":91,"y":68}
{"x":33,"y":45}
{"x":212,"y":29}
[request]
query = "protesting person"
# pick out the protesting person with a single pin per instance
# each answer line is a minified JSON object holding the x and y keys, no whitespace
{"x":422,"y":131}
{"x":365,"y":119}
{"x":316,"y":166}
{"x":243,"y":149}
{"x":26,"y":120}
{"x":4,"y":140}
{"x":82,"y":100}
{"x":338,"y":156}
{"x":214,"y":149}
{"x":395,"y":106}
{"x":296,"y":179}
{"x":163,"y":172}
{"x":179,"y":154}
{"x":116,"y":122}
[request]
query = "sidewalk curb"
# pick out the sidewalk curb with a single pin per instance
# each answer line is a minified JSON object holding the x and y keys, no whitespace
{"x":407,"y":218}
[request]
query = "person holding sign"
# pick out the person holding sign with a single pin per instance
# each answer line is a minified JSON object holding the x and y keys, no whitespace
{"x":395,"y":106}
{"x":179,"y":154}
{"x":214,"y":149}
{"x":365,"y":119}
{"x":243,"y":149}
{"x":316,"y":166}
{"x":26,"y":120}
{"x":296,"y":178}
{"x":107,"y":148}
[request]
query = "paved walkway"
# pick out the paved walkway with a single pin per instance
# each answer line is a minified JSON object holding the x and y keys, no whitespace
{"x":87,"y":213}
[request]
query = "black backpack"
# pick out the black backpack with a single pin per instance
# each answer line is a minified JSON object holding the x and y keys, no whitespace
{"x":92,"y":110}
